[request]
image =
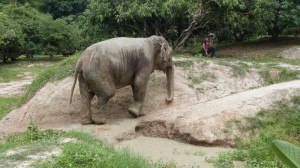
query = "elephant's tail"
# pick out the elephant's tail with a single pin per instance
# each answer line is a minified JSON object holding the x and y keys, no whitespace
{"x":77,"y":70}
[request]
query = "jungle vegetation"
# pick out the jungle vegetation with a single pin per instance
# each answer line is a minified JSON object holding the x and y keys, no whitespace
{"x":53,"y":27}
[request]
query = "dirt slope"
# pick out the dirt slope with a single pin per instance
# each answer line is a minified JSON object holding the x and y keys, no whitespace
{"x":197,"y":117}
{"x":198,"y":114}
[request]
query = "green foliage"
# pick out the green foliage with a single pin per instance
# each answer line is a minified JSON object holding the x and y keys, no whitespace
{"x":278,"y":15}
{"x":281,"y":122}
{"x":244,"y":19}
{"x":237,"y":20}
{"x":137,"y":18}
{"x":41,"y":34}
{"x":59,"y":8}
{"x":287,"y":153}
{"x":11,"y":38}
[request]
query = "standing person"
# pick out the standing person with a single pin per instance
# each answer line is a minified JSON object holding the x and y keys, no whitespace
{"x":204,"y":46}
{"x":211,"y":45}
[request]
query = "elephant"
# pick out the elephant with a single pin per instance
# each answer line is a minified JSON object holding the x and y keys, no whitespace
{"x":111,"y":64}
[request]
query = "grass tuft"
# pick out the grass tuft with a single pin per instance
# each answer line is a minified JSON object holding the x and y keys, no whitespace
{"x":184,"y":63}
{"x":277,"y":75}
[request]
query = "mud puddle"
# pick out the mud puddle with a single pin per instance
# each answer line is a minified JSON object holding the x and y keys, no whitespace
{"x":169,"y":151}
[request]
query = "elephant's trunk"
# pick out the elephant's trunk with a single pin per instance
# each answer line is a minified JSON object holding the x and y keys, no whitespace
{"x":170,"y":86}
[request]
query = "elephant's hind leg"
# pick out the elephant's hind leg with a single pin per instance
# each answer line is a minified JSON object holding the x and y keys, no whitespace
{"x":104,"y":89}
{"x":87,"y":96}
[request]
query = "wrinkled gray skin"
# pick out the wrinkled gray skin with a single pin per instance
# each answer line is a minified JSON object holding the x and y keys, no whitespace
{"x":112,"y":64}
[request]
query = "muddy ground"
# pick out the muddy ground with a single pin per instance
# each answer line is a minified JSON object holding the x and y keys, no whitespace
{"x":207,"y":95}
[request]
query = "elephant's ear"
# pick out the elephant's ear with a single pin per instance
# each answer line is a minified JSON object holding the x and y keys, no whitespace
{"x":163,"y":52}
{"x":161,"y":42}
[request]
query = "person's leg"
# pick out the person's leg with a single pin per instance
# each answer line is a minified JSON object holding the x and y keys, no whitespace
{"x":212,"y":50}
{"x":203,"y":52}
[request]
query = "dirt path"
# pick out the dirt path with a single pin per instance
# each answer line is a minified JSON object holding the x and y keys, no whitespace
{"x":13,"y":88}
{"x":196,"y":117}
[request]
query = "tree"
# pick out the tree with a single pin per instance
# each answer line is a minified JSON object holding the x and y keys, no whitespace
{"x":198,"y":21}
{"x":11,"y":38}
{"x":174,"y":19}
{"x":42,"y":34}
{"x":61,"y":8}
{"x":279,"y":14}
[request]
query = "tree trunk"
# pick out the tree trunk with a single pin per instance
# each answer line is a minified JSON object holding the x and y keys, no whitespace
{"x":156,"y":27}
{"x":184,"y":36}
{"x":145,"y":28}
{"x":197,"y":18}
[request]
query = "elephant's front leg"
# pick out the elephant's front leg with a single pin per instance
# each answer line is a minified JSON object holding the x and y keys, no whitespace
{"x":139,"y":90}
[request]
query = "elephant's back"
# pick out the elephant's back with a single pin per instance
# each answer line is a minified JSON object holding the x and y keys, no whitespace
{"x":117,"y":56}
{"x":118,"y":48}
{"x":120,"y":43}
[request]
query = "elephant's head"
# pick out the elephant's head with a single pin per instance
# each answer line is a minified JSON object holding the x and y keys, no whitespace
{"x":163,"y":61}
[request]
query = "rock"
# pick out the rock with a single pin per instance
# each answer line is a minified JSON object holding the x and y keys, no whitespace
{"x":291,"y":53}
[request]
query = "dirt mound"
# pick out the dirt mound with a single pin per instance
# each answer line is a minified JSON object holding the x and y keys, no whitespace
{"x":291,"y":53}
{"x":198,"y":115}
{"x":50,"y":106}
{"x":207,"y":95}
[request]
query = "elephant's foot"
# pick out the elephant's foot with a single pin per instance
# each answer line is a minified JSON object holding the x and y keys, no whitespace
{"x":135,"y":109}
{"x":86,"y":121}
{"x":99,"y":121}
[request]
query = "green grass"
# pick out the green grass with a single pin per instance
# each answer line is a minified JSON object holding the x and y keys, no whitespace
{"x":265,"y":65}
{"x":282,"y":75}
{"x":86,"y":151}
{"x":205,"y":76}
{"x":7,"y":104}
{"x":208,"y":76}
{"x":14,"y":71}
{"x":184,"y":63}
{"x":281,"y":122}
{"x":239,"y":69}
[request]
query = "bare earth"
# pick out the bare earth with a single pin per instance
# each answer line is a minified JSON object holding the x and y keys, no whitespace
{"x":15,"y":87}
{"x":186,"y":132}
